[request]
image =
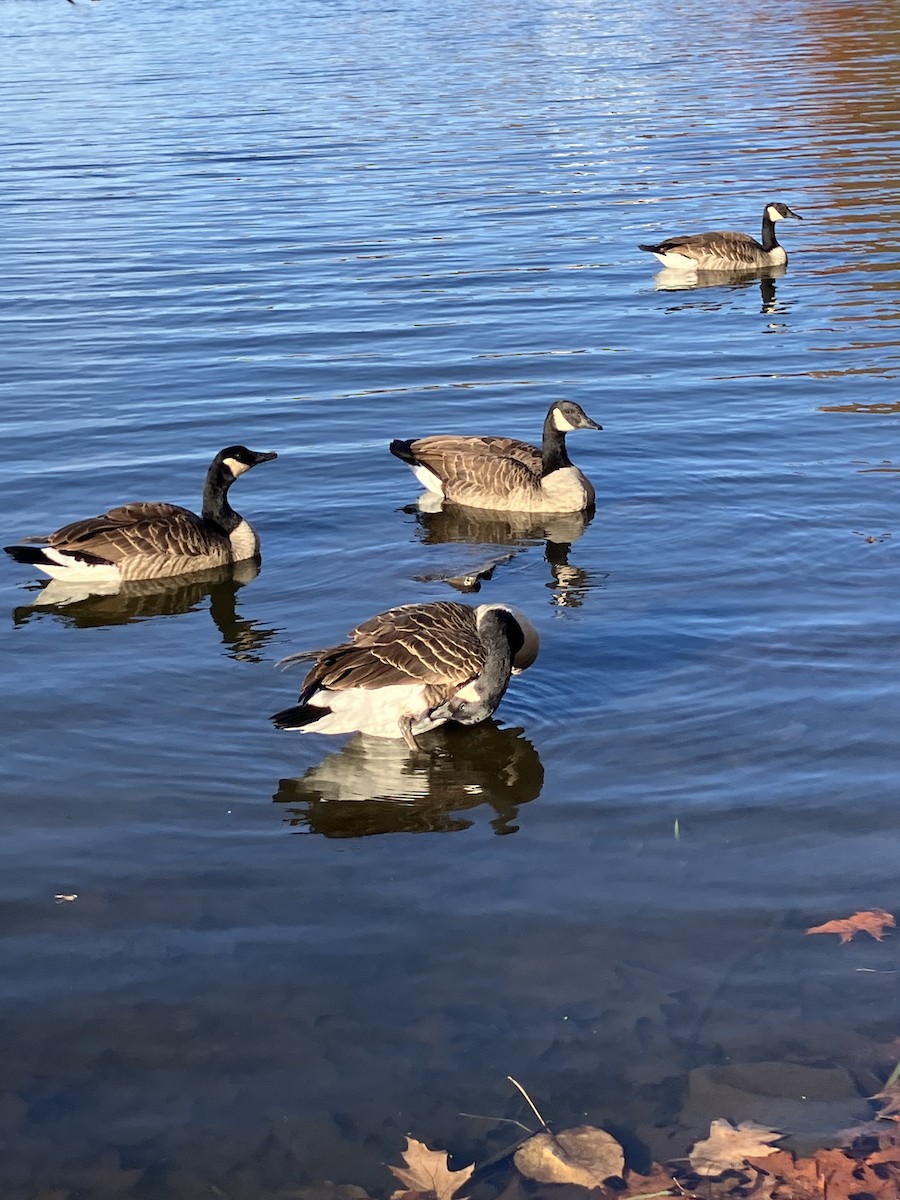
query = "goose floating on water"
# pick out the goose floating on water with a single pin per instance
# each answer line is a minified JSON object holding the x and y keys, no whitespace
{"x":502,"y":473}
{"x":726,"y":250}
{"x":413,"y":668}
{"x":151,"y":540}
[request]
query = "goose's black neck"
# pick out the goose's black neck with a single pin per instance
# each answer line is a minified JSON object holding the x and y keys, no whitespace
{"x":769,"y":240}
{"x":502,"y":638}
{"x":553,"y":447}
{"x":216,"y":509}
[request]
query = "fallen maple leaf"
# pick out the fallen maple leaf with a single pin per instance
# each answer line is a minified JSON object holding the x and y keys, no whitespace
{"x":727,"y":1148}
{"x":873,"y":921}
{"x":427,"y":1171}
{"x":583,"y":1155}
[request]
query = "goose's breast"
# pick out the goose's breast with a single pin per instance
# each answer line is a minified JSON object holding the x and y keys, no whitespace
{"x":566,"y":490}
{"x":244,"y":542}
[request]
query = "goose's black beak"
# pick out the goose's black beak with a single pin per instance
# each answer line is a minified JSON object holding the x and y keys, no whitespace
{"x":261,"y":456}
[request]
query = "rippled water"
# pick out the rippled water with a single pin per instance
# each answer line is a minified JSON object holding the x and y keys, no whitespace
{"x":312,"y":227}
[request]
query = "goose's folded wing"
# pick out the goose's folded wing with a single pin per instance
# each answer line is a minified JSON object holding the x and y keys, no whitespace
{"x":433,"y":643}
{"x":523,"y":452}
{"x":145,"y":529}
{"x":727,"y":243}
{"x":460,"y":457}
{"x":473,"y":470}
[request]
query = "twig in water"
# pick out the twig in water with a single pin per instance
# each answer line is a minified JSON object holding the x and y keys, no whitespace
{"x":531,"y":1103}
{"x":498,"y":1121}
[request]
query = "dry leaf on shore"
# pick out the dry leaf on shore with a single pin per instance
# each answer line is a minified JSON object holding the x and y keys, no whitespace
{"x":873,"y":922}
{"x":583,"y":1155}
{"x":427,"y":1171}
{"x":727,"y":1148}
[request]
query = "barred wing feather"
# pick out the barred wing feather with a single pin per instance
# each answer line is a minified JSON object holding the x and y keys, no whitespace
{"x":145,"y":529}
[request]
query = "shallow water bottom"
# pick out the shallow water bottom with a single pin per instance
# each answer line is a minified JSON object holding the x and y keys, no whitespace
{"x":602,"y":1019}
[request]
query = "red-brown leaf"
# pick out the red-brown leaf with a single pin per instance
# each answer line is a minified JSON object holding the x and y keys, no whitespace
{"x":873,"y":921}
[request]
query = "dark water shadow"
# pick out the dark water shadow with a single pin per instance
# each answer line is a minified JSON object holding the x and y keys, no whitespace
{"x":143,"y":599}
{"x":374,"y":785}
{"x":503,"y":536}
{"x":671,"y":279}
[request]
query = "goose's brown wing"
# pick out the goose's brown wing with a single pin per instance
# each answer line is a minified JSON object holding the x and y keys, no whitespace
{"x":726,"y":244}
{"x":436,"y":644}
{"x":144,"y":530}
{"x":477,"y":469}
{"x":451,"y":453}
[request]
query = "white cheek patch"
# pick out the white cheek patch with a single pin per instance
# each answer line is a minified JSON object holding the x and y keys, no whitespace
{"x":774,"y":214}
{"x":469,"y":692}
{"x":235,"y":467}
{"x":560,"y":422}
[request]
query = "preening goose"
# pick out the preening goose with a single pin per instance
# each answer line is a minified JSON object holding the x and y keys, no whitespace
{"x":726,"y":250}
{"x":413,"y":668}
{"x":150,"y":540}
{"x":502,"y":473}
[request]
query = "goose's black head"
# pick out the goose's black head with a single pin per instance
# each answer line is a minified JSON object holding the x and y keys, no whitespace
{"x":235,"y":460}
{"x":566,"y":415}
{"x":777,"y":212}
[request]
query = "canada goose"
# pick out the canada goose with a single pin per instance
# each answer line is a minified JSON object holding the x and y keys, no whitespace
{"x":502,"y":473}
{"x":149,"y":540}
{"x":725,"y":250}
{"x":411,"y":669}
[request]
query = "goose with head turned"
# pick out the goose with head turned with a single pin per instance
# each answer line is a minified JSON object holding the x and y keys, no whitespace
{"x":502,"y":473}
{"x":410,"y":669}
{"x":152,"y":539}
{"x":726,"y":250}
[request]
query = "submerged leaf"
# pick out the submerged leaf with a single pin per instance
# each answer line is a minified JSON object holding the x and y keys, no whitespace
{"x":427,"y":1171}
{"x":727,"y":1148}
{"x":872,"y":921}
{"x":889,"y":1096}
{"x":583,"y":1155}
{"x":660,"y":1182}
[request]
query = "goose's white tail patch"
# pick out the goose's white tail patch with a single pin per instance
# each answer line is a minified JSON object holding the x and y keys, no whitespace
{"x":680,"y":262}
{"x":73,"y":570}
{"x":428,"y":480}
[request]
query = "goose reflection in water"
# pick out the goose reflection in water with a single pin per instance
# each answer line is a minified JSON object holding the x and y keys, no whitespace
{"x":124,"y":602}
{"x":375,"y":785}
{"x":671,"y":279}
{"x":503,"y":536}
